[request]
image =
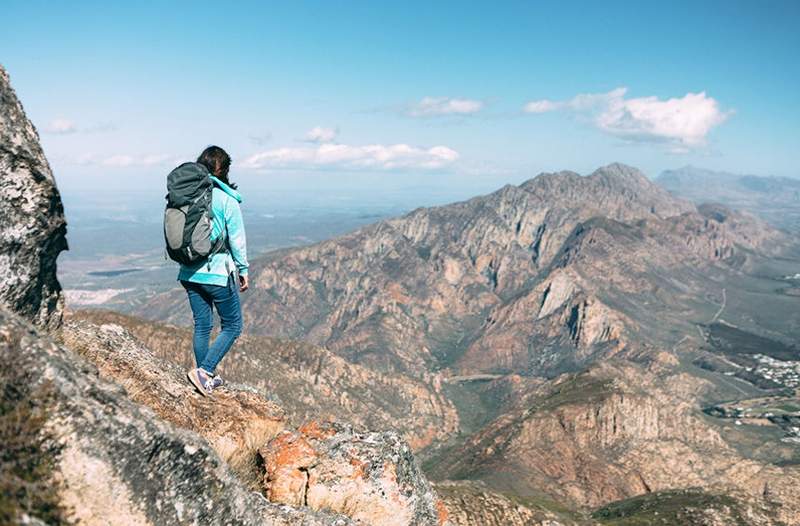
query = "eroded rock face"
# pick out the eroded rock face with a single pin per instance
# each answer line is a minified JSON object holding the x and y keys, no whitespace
{"x":236,"y":421}
{"x":122,"y":463}
{"x":371,"y":477}
{"x":611,"y":433}
{"x":33,"y":225}
{"x":311,"y":382}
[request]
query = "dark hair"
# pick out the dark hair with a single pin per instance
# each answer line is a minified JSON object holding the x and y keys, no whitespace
{"x":218,"y":163}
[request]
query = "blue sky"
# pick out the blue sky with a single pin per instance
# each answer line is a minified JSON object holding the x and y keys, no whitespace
{"x":375,"y":95}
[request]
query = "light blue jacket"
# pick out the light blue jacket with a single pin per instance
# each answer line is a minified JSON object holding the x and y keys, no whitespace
{"x":227,"y":214}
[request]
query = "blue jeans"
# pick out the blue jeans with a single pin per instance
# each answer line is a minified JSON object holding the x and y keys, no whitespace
{"x":202,"y":299}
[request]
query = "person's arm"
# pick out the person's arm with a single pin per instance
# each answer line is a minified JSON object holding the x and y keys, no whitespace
{"x":237,"y":241}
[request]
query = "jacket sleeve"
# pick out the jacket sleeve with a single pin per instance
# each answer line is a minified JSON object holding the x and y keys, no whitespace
{"x":237,"y":242}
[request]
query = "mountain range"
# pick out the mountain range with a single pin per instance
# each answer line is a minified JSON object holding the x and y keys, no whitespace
{"x":775,"y":199}
{"x":535,"y":279}
{"x":574,"y":350}
{"x":573,"y":322}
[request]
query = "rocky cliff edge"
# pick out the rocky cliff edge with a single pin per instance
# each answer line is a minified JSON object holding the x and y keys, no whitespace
{"x":96,"y":429}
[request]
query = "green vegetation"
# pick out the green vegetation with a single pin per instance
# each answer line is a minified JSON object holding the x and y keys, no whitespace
{"x":28,"y":454}
{"x":580,"y":389}
{"x":547,"y":503}
{"x":733,"y":341}
{"x":688,"y":507}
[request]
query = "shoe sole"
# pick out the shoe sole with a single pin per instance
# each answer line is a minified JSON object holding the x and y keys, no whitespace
{"x":192,"y":375}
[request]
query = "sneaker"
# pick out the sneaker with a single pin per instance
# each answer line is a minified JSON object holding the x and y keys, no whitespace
{"x":216,"y":381}
{"x":200,"y":380}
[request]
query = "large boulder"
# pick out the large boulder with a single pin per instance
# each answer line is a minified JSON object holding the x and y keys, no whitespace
{"x":371,"y":477}
{"x":33,"y":226}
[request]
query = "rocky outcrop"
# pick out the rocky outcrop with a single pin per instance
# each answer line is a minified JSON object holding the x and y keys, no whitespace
{"x":33,"y":227}
{"x":371,"y":477}
{"x":310,"y":382}
{"x":118,"y":459}
{"x":236,"y":422}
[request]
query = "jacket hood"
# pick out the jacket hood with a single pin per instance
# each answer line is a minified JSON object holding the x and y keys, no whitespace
{"x":227,"y":189}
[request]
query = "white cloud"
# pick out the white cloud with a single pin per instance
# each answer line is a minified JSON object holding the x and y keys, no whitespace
{"x":541,"y":106}
{"x":439,"y":106}
{"x":126,"y":161}
{"x":343,"y":156}
{"x":319,"y":134}
{"x":683,"y":122}
{"x":66,"y":126}
{"x":60,"y":127}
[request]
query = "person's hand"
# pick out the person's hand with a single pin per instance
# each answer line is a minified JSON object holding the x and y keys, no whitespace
{"x":244,"y":283}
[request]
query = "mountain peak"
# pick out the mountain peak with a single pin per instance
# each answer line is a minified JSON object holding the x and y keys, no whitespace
{"x":621,"y":172}
{"x":617,"y":190}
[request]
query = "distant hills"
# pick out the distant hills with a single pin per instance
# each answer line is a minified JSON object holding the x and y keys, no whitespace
{"x":776,"y":199}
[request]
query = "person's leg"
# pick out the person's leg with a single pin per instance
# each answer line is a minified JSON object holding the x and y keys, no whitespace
{"x":201,"y":303}
{"x":226,"y":300}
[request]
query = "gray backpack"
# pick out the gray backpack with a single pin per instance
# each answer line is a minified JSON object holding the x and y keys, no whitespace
{"x":188,"y":216}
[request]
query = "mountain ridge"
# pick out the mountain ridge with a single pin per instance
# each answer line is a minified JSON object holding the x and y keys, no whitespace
{"x":423,"y":286}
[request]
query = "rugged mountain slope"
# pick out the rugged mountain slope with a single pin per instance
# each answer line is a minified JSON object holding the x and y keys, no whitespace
{"x":309,"y":382}
{"x":371,"y":477}
{"x":33,"y":218}
{"x":535,"y":279}
{"x":472,"y":503}
{"x":613,"y":432}
{"x":775,"y":199}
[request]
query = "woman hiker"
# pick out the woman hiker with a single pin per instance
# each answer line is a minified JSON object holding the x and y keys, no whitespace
{"x":216,"y":282}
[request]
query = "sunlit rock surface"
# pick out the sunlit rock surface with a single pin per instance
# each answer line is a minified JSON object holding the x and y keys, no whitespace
{"x":32,"y":227}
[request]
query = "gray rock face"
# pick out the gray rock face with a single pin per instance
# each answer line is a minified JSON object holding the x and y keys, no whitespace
{"x":33,"y":225}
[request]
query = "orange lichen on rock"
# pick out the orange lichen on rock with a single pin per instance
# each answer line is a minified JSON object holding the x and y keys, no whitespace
{"x":441,"y":510}
{"x":371,"y":477}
